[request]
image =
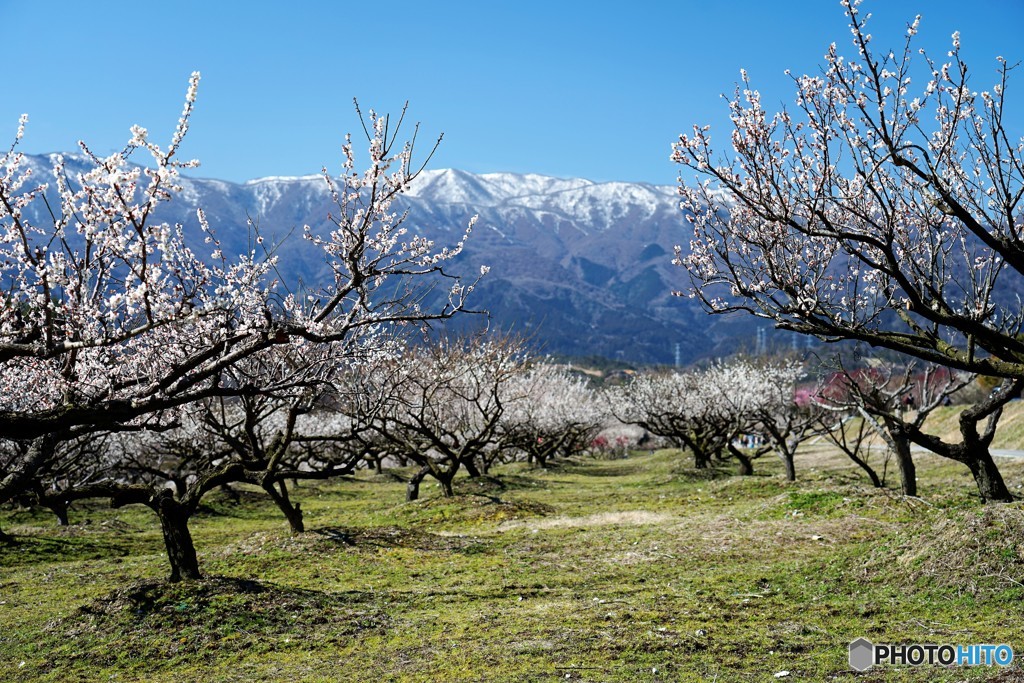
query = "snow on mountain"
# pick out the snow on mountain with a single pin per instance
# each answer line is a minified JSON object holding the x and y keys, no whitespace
{"x":452,"y":187}
{"x":512,"y":185}
{"x":597,"y":206}
{"x":605,"y":205}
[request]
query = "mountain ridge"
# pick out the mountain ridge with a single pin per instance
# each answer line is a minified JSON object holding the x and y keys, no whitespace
{"x":583,"y":267}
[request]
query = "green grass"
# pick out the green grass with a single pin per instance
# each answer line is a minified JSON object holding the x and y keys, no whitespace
{"x":625,"y":570}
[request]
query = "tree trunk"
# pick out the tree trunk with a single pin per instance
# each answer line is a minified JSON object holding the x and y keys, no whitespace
{"x":700,"y":461}
{"x":293,"y":513}
{"x":19,"y":478}
{"x":60,"y":510}
{"x":446,"y":483}
{"x":181,"y":552}
{"x":990,"y":482}
{"x":470,"y":464}
{"x":746,"y":464}
{"x":908,"y":471}
{"x":412,"y":489}
{"x":973,"y":451}
{"x":789,"y":464}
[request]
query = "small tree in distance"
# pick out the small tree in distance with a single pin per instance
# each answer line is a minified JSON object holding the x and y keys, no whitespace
{"x":710,"y":411}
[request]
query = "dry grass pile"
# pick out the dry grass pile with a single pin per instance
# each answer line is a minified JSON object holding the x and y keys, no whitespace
{"x":975,"y":551}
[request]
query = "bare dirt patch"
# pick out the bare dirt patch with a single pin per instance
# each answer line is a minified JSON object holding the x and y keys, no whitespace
{"x":623,"y":518}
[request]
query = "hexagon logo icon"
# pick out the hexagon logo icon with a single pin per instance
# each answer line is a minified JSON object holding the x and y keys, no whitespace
{"x":862,"y":654}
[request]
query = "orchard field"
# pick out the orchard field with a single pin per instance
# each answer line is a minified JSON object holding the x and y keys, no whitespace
{"x":634,"y":569}
{"x":264,"y":473}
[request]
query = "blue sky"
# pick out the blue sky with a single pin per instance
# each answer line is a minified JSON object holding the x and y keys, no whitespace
{"x":591,"y":89}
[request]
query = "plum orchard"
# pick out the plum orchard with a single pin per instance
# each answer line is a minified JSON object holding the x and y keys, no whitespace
{"x":111,"y":320}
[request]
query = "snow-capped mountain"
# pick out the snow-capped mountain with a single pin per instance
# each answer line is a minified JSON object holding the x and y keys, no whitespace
{"x":582,"y":267}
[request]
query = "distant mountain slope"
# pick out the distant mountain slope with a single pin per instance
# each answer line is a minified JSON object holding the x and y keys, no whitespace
{"x":583,"y":267}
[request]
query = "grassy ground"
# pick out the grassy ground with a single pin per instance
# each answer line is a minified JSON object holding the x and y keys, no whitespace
{"x":626,"y":570}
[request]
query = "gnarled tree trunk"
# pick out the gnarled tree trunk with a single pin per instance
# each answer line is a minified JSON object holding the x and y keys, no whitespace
{"x":412,"y":488}
{"x":990,"y":482}
{"x":181,"y":551}
{"x":293,"y":513}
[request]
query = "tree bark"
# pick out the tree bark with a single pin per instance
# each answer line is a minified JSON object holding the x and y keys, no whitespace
{"x":412,"y":488}
{"x":19,"y":478}
{"x":470,"y":464}
{"x":445,"y":479}
{"x":908,"y":471}
{"x":293,"y":513}
{"x":788,"y":462}
{"x":746,"y":464}
{"x":55,"y":503}
{"x":60,"y":509}
{"x":181,"y":551}
{"x":990,"y":482}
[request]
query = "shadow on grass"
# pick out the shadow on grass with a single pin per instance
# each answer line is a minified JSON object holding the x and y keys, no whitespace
{"x":713,"y":473}
{"x":601,"y":468}
{"x":390,"y":537}
{"x":472,"y":508}
{"x":20,"y":550}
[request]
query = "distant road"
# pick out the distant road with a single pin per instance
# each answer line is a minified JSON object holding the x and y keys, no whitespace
{"x":996,"y":452}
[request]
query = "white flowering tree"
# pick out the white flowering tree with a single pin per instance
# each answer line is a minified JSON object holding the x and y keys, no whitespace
{"x":766,"y":395}
{"x":884,"y":207}
{"x":288,"y":430}
{"x":708,"y":411}
{"x":110,"y":317}
{"x":550,"y":412}
{"x":110,"y":314}
{"x":659,"y":404}
{"x":446,"y":401}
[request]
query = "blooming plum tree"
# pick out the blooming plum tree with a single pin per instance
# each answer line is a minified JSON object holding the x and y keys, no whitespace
{"x":870,"y":211}
{"x":446,"y":405}
{"x":708,"y":410}
{"x":550,"y":412}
